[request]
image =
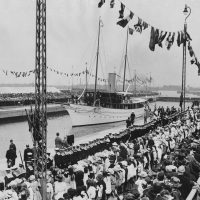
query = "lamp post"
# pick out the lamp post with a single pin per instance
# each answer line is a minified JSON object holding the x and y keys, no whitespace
{"x":187,"y":12}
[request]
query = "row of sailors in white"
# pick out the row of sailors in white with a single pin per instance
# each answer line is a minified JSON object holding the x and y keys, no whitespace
{"x":117,"y":174}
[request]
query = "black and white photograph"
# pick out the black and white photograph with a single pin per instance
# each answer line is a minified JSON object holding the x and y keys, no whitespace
{"x":99,"y":100}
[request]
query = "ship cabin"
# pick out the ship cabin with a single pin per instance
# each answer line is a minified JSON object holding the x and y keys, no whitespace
{"x":113,"y":100}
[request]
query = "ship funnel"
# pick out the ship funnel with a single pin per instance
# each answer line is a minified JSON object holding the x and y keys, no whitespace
{"x":111,"y":82}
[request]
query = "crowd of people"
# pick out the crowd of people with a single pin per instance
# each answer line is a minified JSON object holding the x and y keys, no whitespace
{"x":11,"y":99}
{"x":157,"y":161}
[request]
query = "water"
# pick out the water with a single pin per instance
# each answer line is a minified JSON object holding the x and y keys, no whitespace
{"x":167,"y":93}
{"x":19,"y":131}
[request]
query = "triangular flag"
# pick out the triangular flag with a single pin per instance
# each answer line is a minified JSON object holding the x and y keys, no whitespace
{"x":112,"y":3}
{"x":125,"y":21}
{"x":130,"y":31}
{"x":138,"y":26}
{"x":121,"y":11}
{"x":101,"y":3}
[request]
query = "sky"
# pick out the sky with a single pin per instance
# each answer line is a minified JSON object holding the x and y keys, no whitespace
{"x":72,"y":27}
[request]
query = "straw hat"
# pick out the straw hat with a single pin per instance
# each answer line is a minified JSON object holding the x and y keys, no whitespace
{"x":181,"y":170}
{"x":143,"y":174}
{"x":114,"y":144}
{"x":32,"y":178}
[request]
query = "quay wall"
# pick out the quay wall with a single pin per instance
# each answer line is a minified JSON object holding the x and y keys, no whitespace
{"x":18,"y":114}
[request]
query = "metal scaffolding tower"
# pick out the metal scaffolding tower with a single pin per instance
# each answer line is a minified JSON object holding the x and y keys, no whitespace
{"x":40,"y":114}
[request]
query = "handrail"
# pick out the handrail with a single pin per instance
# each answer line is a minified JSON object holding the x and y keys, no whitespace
{"x":193,"y":191}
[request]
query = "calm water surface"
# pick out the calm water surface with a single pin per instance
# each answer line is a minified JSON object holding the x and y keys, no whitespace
{"x":21,"y":136}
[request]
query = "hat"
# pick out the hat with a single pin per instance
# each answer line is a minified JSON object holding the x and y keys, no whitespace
{"x":12,"y":183}
{"x":107,"y":140}
{"x":117,"y":168}
{"x":56,"y":149}
{"x":27,"y":145}
{"x":32,"y":178}
{"x":9,"y":194}
{"x":14,"y":167}
{"x":8,"y":169}
{"x":170,"y":168}
{"x":27,"y":184}
{"x":18,"y":180}
{"x":110,"y":171}
{"x":175,"y":182}
{"x":148,"y":180}
{"x":145,"y":198}
{"x":59,"y":177}
{"x":181,"y":170}
{"x":124,"y":163}
{"x":114,"y":144}
{"x":143,"y":174}
{"x":161,"y":176}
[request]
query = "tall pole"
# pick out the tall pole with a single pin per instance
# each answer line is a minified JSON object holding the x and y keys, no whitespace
{"x":40,"y":115}
{"x":135,"y":82}
{"x":72,"y":76}
{"x":125,"y":58}
{"x":184,"y":57}
{"x":184,"y":64}
{"x":86,"y":77}
{"x":97,"y":60}
{"x":150,"y":82}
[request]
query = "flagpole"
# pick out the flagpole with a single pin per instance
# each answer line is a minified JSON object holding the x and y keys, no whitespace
{"x":86,"y":77}
{"x":135,"y":83}
{"x":125,"y":60}
{"x":150,"y":83}
{"x":95,"y":87}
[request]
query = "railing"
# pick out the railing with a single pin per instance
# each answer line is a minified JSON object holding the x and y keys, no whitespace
{"x":193,"y":191}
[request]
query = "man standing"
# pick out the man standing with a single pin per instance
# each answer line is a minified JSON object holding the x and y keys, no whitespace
{"x":28,"y":154}
{"x":11,"y":156}
{"x":12,"y":146}
{"x":132,"y":118}
{"x":58,"y":141}
{"x":128,"y":122}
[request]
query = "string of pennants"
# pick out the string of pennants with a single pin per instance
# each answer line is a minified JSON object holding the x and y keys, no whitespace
{"x":157,"y":36}
{"x":194,"y":59}
{"x":28,"y":73}
{"x":139,"y":80}
{"x":18,"y":74}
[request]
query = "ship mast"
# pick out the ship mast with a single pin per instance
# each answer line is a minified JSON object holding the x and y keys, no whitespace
{"x":125,"y":58}
{"x":86,"y":77}
{"x":135,"y":83}
{"x":95,"y":88}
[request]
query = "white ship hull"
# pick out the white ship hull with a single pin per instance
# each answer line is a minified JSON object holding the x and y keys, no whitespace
{"x":87,"y":115}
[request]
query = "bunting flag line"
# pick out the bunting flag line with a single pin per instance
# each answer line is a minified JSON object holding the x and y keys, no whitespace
{"x":194,"y":59}
{"x":18,"y":74}
{"x":139,"y":79}
{"x":28,"y":73}
{"x":157,"y":36}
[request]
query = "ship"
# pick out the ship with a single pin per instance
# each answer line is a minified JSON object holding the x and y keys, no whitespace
{"x":101,"y":107}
